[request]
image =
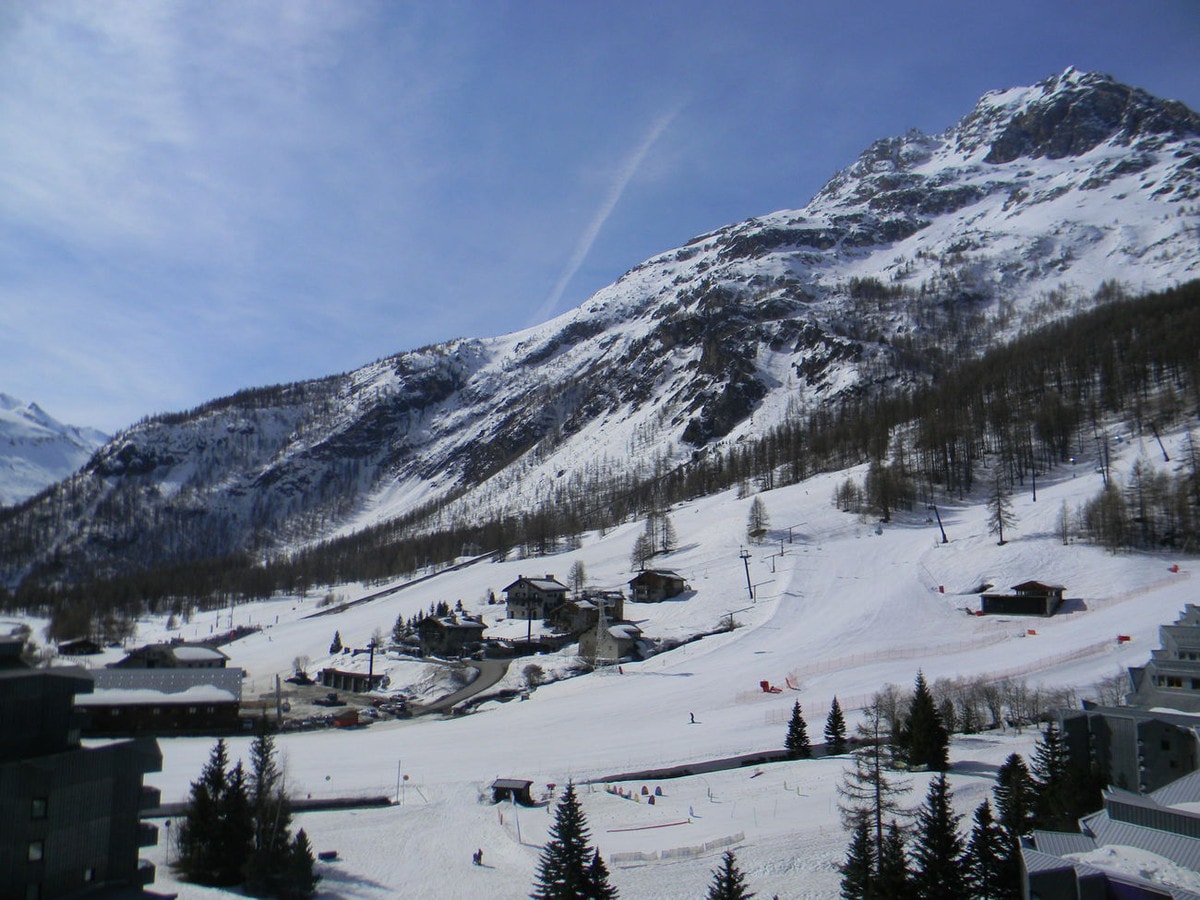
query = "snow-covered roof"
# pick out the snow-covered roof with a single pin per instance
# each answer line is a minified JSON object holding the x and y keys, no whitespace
{"x":196,"y":653}
{"x":168,"y":681}
{"x":201,"y":693}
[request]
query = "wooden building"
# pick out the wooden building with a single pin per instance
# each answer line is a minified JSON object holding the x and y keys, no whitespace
{"x":654,"y":585}
{"x":516,"y":790}
{"x":1030,"y":598}
{"x":450,"y":635}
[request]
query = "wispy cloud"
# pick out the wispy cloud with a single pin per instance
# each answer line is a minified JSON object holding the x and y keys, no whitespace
{"x":628,"y":169}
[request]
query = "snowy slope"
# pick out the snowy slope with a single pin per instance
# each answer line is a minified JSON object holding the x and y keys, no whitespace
{"x":36,"y":450}
{"x":843,"y":611}
{"x":927,"y":244}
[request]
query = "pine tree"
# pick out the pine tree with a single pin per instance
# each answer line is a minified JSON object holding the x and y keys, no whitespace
{"x":757,"y":522}
{"x":336,"y":645}
{"x":236,"y":837}
{"x":598,"y":887}
{"x":667,"y":540}
{"x":643,"y":549}
{"x":866,"y":792}
{"x":299,"y":881}
{"x":563,"y":866}
{"x":894,"y":880}
{"x":924,"y":740}
{"x":796,"y":743}
{"x":199,"y":839}
{"x":999,"y":505}
{"x":272,"y":812}
{"x":577,"y":577}
{"x":858,"y":869}
{"x":1056,"y":782}
{"x":983,"y":860}
{"x":729,"y":883}
{"x":937,"y":846}
{"x":1015,"y":794}
{"x":835,"y":729}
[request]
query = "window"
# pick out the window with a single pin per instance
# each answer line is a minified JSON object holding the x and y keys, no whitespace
{"x":37,"y":808}
{"x":37,"y":849}
{"x":89,"y":874}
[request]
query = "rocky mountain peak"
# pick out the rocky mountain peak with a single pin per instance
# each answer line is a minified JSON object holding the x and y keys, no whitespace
{"x":1068,"y":115}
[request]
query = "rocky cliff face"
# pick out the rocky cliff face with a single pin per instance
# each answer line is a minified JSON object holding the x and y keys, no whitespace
{"x":923,"y":251}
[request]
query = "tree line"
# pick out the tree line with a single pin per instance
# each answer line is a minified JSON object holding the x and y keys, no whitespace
{"x":1012,"y":415}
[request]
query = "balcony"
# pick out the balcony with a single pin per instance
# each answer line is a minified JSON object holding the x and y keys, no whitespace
{"x":151,"y":798}
{"x":147,"y":834}
{"x":145,"y":872}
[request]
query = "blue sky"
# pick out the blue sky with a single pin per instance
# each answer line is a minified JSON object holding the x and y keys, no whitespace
{"x":197,"y":197}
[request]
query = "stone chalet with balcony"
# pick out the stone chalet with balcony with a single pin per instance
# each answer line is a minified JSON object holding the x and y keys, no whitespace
{"x":534,"y":598}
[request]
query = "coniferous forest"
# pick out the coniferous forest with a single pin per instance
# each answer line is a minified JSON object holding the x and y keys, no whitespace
{"x":1033,"y":408}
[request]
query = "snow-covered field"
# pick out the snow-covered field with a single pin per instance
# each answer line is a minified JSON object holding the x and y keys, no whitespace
{"x":843,"y":610}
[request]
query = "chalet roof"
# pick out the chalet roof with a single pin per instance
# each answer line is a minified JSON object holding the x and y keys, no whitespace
{"x":184,"y":653}
{"x":549,"y":584}
{"x":512,"y":784}
{"x":660,"y":573}
{"x":625,"y":631}
{"x":1037,"y":586}
{"x":196,"y":652}
{"x":455,"y":622}
{"x":197,"y":694}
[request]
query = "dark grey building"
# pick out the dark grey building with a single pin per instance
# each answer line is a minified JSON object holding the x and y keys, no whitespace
{"x":1136,"y":749}
{"x":70,"y":814}
{"x":1055,"y":865}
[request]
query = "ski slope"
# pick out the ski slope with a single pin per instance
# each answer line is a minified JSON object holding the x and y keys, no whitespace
{"x":848,"y":607}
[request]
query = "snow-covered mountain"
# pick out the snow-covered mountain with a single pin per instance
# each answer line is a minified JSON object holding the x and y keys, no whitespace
{"x":37,"y":450}
{"x":921,"y":253}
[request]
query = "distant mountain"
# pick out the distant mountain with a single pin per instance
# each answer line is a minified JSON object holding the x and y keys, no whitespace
{"x":926,"y":250}
{"x":37,"y":450}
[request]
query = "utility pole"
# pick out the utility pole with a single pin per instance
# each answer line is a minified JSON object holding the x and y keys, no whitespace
{"x":933,"y":506}
{"x":745,"y":558}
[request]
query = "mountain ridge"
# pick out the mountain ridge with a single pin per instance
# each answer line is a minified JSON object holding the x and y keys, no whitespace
{"x":36,"y":450}
{"x":922,"y":252}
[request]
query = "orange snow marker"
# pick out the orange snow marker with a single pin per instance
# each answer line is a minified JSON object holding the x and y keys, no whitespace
{"x":1123,"y":638}
{"x":1032,"y":631}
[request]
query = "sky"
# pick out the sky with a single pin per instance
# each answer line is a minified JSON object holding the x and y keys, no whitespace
{"x":198,"y":197}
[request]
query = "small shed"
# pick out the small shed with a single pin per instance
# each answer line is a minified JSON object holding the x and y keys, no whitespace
{"x":1029,"y":598}
{"x":514,"y":789}
{"x":653,"y":585}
